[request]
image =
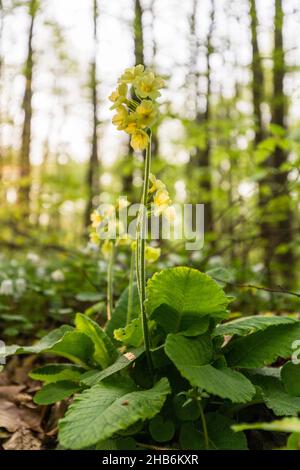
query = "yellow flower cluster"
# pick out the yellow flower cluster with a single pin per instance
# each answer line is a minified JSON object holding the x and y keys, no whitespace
{"x":161,"y":201}
{"x":135,"y":105}
{"x":103,"y":221}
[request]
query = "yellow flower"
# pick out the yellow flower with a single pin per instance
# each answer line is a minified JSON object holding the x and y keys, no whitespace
{"x":94,"y":237}
{"x":120,"y":119}
{"x":132,"y":125}
{"x":130,"y":74}
{"x":161,"y":201}
{"x":152,"y":254}
{"x":96,"y":219}
{"x":157,"y":185}
{"x":118,"y":96}
{"x":106,"y":248}
{"x":146,"y":113}
{"x":147,"y":85}
{"x":139,"y":140}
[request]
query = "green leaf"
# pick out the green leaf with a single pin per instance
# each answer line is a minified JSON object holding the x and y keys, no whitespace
{"x":262,"y":348}
{"x":75,"y":346}
{"x":178,"y":296}
{"x":185,"y":411}
{"x":119,"y":315}
{"x":275,"y":397}
{"x":56,"y":372}
{"x":290,"y":376}
{"x":192,"y":356}
{"x":93,"y":377}
{"x":121,"y":443}
{"x":132,"y":334}
{"x":248,"y":325}
{"x":46,"y":343}
{"x":293,"y":442}
{"x":161,"y":430}
{"x":105,"y":352}
{"x":54,"y":392}
{"x":107,"y":408}
{"x":283,"y":425}
{"x":220,"y":435}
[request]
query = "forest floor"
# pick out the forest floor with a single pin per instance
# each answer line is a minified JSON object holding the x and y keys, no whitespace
{"x":23,"y":424}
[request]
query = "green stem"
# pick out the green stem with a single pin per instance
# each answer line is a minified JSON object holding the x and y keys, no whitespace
{"x":204,"y":425}
{"x":110,"y":282}
{"x":130,"y":287}
{"x":140,"y":254}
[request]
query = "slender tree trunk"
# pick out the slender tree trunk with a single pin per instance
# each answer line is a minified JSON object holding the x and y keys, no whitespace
{"x":24,"y":158}
{"x":93,"y":168}
{"x":283,"y":231}
{"x":203,"y":156}
{"x":257,"y":97}
{"x":138,"y":59}
{"x":257,"y":76}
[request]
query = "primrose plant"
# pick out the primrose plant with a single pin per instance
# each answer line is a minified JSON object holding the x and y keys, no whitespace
{"x":170,"y":367}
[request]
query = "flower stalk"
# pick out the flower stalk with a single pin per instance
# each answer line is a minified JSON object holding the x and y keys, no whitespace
{"x":141,"y":252}
{"x":130,"y":286}
{"x":110,"y":292}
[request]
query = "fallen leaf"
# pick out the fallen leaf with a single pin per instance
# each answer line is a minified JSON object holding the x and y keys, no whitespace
{"x":10,"y":416}
{"x":23,"y":439}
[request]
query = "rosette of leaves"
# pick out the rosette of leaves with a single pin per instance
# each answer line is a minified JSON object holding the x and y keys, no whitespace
{"x":208,"y":370}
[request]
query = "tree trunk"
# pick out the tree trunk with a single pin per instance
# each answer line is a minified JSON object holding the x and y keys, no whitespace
{"x":283,"y":229}
{"x":138,"y":59}
{"x":93,"y":168}
{"x":203,"y":155}
{"x":24,"y":158}
{"x":257,"y":97}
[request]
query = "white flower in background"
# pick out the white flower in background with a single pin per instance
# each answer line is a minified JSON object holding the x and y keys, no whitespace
{"x":33,"y":257}
{"x":7,"y":287}
{"x":20,"y":286}
{"x":57,"y":276}
{"x":40,"y":272}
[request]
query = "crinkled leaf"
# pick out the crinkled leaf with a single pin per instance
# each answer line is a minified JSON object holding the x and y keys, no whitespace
{"x":51,"y":373}
{"x":107,"y":408}
{"x":120,"y":443}
{"x":54,"y":392}
{"x":105,"y":352}
{"x":264,"y":347}
{"x":176,"y":296}
{"x":276,"y":398}
{"x":248,"y":325}
{"x":191,"y":356}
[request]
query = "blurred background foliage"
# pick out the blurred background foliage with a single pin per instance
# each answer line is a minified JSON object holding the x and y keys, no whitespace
{"x":228,"y":136}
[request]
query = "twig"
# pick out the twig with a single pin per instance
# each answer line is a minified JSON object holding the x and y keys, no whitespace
{"x":278,"y":290}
